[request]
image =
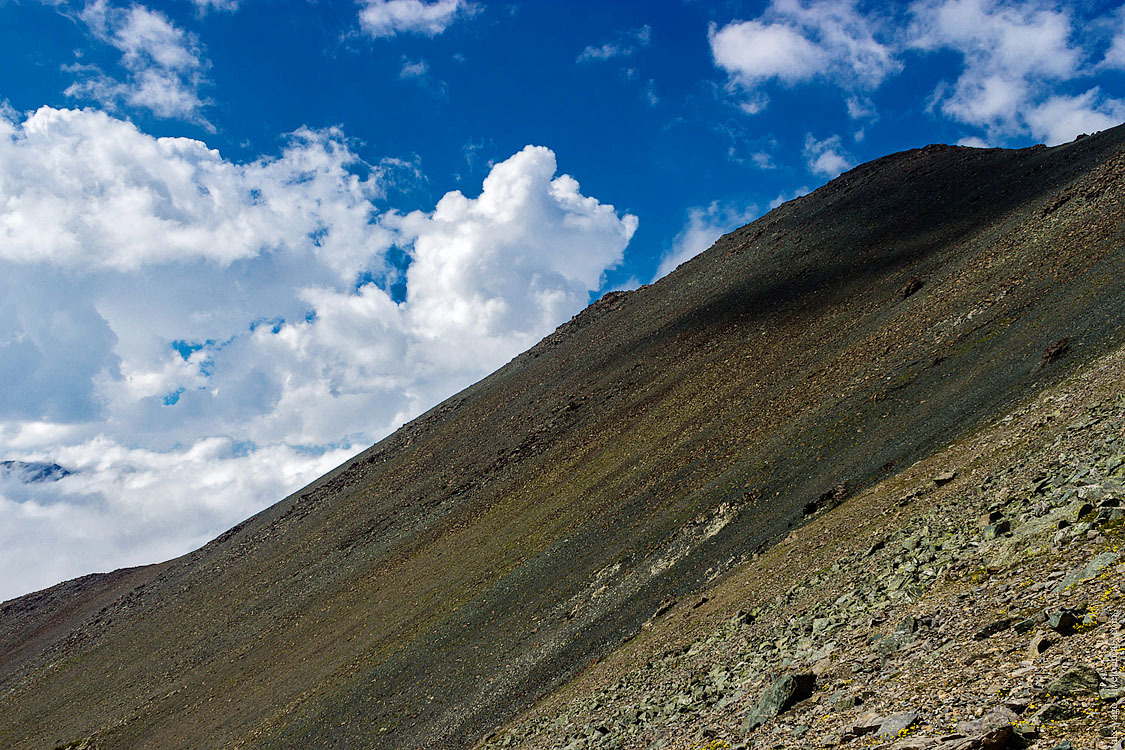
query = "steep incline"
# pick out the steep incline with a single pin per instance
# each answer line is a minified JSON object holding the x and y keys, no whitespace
{"x":429,"y":588}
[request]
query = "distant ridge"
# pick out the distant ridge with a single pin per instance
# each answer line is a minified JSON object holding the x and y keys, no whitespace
{"x":32,"y":472}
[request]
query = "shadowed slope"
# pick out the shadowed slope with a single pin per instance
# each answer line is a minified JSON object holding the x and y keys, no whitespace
{"x":472,"y":561}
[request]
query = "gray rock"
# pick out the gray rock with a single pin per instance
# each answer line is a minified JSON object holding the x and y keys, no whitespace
{"x":1017,"y":703}
{"x":999,"y":716}
{"x":1063,"y":621}
{"x":1109,"y":515}
{"x":778,"y":697}
{"x":1112,"y":693}
{"x":998,"y":739}
{"x":1040,"y":643}
{"x":989,"y":518}
{"x":887,"y":726}
{"x":1024,"y":627}
{"x":916,"y":743}
{"x":1053,"y":712}
{"x":993,"y":628}
{"x":1081,"y":680}
{"x":893,"y":642}
{"x":1086,"y":572}
{"x":1000,"y":528}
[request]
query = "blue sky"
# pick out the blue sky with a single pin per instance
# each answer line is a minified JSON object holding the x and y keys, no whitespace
{"x":241,"y":240}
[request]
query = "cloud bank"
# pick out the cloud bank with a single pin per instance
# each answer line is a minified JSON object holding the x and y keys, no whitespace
{"x":1015,"y":55}
{"x":194,"y":337}
{"x":1022,"y":63}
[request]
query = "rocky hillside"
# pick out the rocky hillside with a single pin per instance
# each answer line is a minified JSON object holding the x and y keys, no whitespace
{"x":558,"y":514}
{"x":977,"y":600}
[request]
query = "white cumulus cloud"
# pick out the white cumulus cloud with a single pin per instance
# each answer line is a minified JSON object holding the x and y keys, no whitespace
{"x":164,"y":63}
{"x":826,"y":157}
{"x":1115,"y":55}
{"x":704,"y":226}
{"x":385,"y":18}
{"x":754,"y":51}
{"x":795,"y":41}
{"x":1015,"y":55}
{"x":195,"y":337}
{"x":1060,"y":118}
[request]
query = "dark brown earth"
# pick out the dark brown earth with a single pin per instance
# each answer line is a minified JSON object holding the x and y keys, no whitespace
{"x":485,"y":554}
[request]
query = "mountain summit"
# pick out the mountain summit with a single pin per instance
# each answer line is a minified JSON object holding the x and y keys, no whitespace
{"x":487,"y":553}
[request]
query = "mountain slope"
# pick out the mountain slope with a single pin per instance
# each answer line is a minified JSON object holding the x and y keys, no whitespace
{"x":483,"y":554}
{"x":925,"y":609}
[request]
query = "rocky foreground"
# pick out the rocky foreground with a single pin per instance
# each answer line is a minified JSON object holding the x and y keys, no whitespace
{"x":976,"y":600}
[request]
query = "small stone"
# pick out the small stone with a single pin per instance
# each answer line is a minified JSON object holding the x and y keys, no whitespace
{"x":993,"y":628}
{"x":743,"y":618}
{"x":999,"y":529}
{"x":1023,"y":627}
{"x":989,"y":518}
{"x":1112,"y":693}
{"x":1064,"y":745}
{"x":945,"y":478}
{"x":912,"y":285}
{"x":1063,"y":621}
{"x":999,"y":716}
{"x":840,"y":702}
{"x":1055,"y":351}
{"x":1040,"y":643}
{"x":895,"y":723}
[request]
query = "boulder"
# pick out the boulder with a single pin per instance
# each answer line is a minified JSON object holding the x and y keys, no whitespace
{"x":779,"y":696}
{"x":896,"y":723}
{"x":1052,"y":712}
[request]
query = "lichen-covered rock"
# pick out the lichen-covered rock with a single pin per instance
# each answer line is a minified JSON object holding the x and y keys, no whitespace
{"x":1081,"y":680}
